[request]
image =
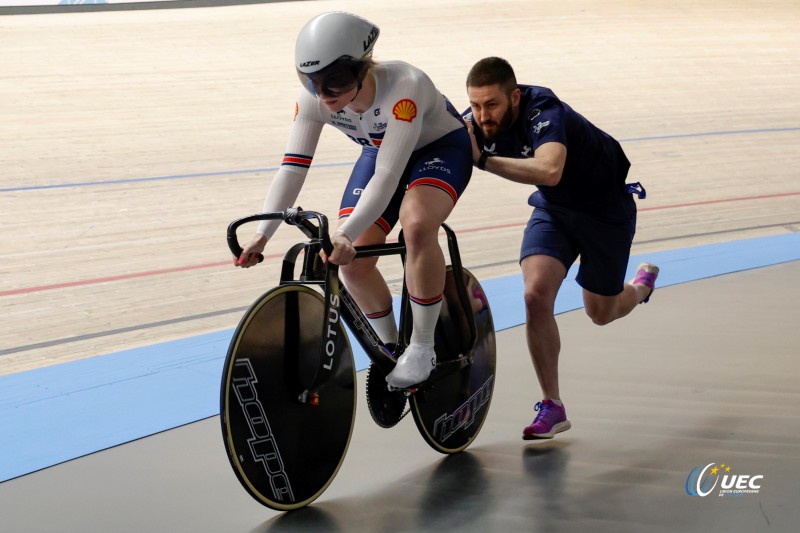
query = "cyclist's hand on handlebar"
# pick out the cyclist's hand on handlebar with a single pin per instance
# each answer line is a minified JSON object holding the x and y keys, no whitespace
{"x":343,"y":250}
{"x":250,"y":252}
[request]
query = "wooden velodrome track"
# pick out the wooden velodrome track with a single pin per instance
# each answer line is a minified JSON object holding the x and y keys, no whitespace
{"x":129,"y":140}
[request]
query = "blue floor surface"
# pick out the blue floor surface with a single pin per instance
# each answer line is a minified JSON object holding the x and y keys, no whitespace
{"x":58,"y":413}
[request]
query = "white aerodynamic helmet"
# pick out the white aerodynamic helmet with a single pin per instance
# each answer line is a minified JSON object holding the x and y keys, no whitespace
{"x":331,"y":52}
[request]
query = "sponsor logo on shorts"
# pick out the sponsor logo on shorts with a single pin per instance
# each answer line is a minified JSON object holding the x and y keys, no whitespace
{"x":436,"y":164}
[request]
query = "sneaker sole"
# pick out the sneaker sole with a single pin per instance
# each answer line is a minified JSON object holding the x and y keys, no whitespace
{"x":558,"y":428}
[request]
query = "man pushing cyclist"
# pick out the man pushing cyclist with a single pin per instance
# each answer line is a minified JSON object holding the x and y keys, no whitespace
{"x":583,"y":207}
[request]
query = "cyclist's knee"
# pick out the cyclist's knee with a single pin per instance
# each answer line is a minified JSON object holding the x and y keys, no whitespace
{"x":417,"y":228}
{"x":422,"y":213}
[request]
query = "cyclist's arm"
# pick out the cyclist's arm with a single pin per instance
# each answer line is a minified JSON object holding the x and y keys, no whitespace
{"x":544,"y":168}
{"x":303,"y":139}
{"x":398,"y":144}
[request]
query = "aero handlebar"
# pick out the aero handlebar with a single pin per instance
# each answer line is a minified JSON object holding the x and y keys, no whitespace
{"x":295,"y":217}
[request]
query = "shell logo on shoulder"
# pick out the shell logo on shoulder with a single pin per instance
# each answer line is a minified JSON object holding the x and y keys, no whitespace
{"x":405,"y":110}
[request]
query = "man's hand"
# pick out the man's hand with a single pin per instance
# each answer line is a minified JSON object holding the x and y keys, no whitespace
{"x":343,"y":250}
{"x":476,"y":151}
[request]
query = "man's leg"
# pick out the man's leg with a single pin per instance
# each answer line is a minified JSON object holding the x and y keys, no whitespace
{"x":422,"y":213}
{"x":605,"y":251}
{"x":605,"y":309}
{"x":543,"y":276}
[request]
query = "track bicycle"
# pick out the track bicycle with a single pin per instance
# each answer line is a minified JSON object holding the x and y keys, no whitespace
{"x":288,"y":393}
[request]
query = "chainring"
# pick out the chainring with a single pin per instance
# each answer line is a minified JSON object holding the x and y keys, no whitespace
{"x":386,"y":407}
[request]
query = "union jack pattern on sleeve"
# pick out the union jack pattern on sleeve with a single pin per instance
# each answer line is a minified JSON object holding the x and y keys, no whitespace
{"x":297,"y":160}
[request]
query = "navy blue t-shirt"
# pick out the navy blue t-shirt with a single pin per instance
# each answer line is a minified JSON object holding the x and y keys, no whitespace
{"x":596,"y":166}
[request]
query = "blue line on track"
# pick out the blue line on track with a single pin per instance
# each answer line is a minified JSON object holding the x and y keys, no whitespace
{"x":273,"y":169}
{"x":157,"y":178}
{"x":707,"y":134}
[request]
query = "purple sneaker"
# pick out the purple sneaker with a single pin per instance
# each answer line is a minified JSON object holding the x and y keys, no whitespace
{"x":551,"y":419}
{"x":646,"y":275}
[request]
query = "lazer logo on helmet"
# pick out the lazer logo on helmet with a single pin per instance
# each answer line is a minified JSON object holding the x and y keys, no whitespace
{"x":309,"y":64}
{"x":371,"y":38}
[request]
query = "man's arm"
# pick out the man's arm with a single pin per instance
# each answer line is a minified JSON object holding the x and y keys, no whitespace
{"x":544,"y":168}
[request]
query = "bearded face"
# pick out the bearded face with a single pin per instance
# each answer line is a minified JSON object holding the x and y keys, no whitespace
{"x":492,"y":110}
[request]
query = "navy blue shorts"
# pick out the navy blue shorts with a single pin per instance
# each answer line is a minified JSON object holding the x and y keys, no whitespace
{"x":603,"y":241}
{"x":446,"y":163}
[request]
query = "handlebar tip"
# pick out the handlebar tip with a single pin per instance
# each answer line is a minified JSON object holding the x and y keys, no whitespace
{"x":260,"y":259}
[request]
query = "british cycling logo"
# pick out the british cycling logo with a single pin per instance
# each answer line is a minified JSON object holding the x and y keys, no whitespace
{"x":704,"y":479}
{"x":540,"y":126}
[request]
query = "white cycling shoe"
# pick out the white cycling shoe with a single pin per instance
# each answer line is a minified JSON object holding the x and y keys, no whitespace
{"x":414,"y":366}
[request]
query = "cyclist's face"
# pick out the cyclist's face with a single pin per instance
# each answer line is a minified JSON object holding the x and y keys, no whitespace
{"x":493,"y":110}
{"x":336,"y":99}
{"x":335,"y":85}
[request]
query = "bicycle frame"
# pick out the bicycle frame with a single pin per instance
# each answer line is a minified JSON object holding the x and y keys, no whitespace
{"x":339,"y":304}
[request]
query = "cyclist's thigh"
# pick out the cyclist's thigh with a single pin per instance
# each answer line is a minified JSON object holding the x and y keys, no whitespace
{"x":445,"y":164}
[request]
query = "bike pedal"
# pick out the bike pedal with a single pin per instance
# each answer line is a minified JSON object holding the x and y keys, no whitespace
{"x":407,"y":391}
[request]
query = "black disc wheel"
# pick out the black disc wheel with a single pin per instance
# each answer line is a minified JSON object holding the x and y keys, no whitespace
{"x":286,"y":447}
{"x":450,"y":412}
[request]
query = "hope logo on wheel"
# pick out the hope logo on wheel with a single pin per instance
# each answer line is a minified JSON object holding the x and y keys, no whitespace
{"x":263,"y":448}
{"x":464,"y":415}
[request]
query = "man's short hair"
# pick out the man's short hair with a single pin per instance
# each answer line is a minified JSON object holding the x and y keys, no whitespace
{"x":492,"y":71}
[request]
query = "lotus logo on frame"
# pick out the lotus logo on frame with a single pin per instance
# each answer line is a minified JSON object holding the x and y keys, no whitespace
{"x":704,"y":479}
